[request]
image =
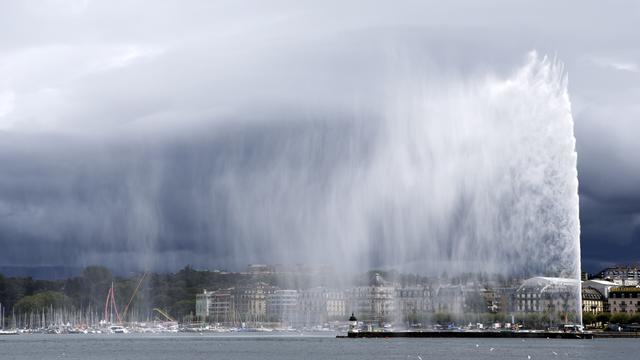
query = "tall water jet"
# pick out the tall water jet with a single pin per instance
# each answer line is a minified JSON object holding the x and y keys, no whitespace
{"x":480,"y":175}
{"x":454,"y":176}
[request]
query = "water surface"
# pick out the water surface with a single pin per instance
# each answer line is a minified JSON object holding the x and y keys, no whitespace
{"x":305,"y":347}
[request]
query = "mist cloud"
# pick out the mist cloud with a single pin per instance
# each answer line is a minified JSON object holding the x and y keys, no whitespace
{"x":114,"y":117}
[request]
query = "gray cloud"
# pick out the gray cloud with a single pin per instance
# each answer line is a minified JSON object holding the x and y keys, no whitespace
{"x":115,"y":116}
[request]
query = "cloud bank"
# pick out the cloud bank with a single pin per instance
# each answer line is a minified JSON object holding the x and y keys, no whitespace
{"x":114,"y":117}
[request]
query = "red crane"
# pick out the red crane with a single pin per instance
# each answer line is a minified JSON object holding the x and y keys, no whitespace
{"x":110,"y":305}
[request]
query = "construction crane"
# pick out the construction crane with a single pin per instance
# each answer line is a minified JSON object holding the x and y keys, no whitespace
{"x":135,"y":292}
{"x":110,"y":306}
{"x":163,"y":313}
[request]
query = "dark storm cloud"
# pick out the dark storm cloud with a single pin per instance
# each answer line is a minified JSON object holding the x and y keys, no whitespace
{"x":157,"y":204}
{"x":116,"y":117}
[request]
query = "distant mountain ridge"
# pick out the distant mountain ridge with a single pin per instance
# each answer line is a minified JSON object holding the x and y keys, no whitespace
{"x":41,"y":272}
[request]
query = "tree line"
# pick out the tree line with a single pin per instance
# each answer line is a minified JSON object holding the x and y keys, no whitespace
{"x":174,"y":293}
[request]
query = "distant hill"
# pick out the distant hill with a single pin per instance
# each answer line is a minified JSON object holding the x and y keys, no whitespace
{"x":41,"y":272}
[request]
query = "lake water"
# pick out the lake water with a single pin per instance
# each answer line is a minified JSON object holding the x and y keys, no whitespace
{"x":304,"y":347}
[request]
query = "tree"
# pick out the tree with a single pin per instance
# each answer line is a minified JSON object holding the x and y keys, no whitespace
{"x":97,"y":274}
{"x":43,"y":300}
{"x":634,"y":319}
{"x":588,"y":318}
{"x":442,"y":318}
{"x":603,"y":317}
{"x":619,"y":318}
{"x":96,"y":281}
{"x":183,"y":308}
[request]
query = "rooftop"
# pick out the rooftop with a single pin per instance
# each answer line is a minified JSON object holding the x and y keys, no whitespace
{"x":601,"y":282}
{"x":543,"y":282}
{"x":625,"y":289}
{"x":589,"y":293}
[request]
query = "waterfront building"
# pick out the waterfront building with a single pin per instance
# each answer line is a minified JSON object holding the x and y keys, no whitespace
{"x":492,"y":301}
{"x":460,"y":299}
{"x":282,"y":306}
{"x":319,"y":305}
{"x":475,"y":299}
{"x":592,"y":300}
{"x":336,"y":304}
{"x":202,"y":306}
{"x":449,"y":299}
{"x":412,"y":302}
{"x":374,"y":303}
{"x":624,"y":299}
{"x":602,"y":286}
{"x":250,"y":302}
{"x":501,"y":299}
{"x":312,"y":305}
{"x":625,"y":275}
{"x":215,"y":306}
{"x":552,"y":296}
{"x":221,"y":306}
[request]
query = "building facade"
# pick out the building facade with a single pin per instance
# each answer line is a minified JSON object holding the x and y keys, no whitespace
{"x":250,"y":302}
{"x":319,"y":305}
{"x":336,"y":305}
{"x":624,"y":299}
{"x":221,"y":306}
{"x":215,"y":306}
{"x":602,"y":286}
{"x":413,"y":302}
{"x":626,"y":275}
{"x":555,"y":297}
{"x":449,"y":299}
{"x":202,"y":306}
{"x":374,"y":303}
{"x":592,"y":300}
{"x":282,"y":306}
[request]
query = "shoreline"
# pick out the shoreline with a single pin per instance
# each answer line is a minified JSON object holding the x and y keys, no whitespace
{"x":490,"y":334}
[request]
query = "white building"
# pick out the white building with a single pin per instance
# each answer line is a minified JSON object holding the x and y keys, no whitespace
{"x":215,"y":306}
{"x":250,"y":302}
{"x":221,"y":306}
{"x":375,"y":303}
{"x":624,"y":299}
{"x":592,"y":300}
{"x":336,"y":305}
{"x":202,"y":306}
{"x":282,"y":306}
{"x":449,"y":299}
{"x":603,"y":286}
{"x":413,"y":301}
{"x":557,"y":297}
{"x":626,"y":275}
{"x":319,"y":305}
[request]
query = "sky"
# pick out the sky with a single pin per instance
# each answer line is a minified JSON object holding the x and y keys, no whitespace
{"x":116,"y":116}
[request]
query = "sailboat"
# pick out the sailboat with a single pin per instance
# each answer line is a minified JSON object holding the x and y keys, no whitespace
{"x":3,"y":331}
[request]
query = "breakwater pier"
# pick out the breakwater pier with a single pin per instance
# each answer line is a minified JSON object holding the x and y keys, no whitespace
{"x":489,"y":334}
